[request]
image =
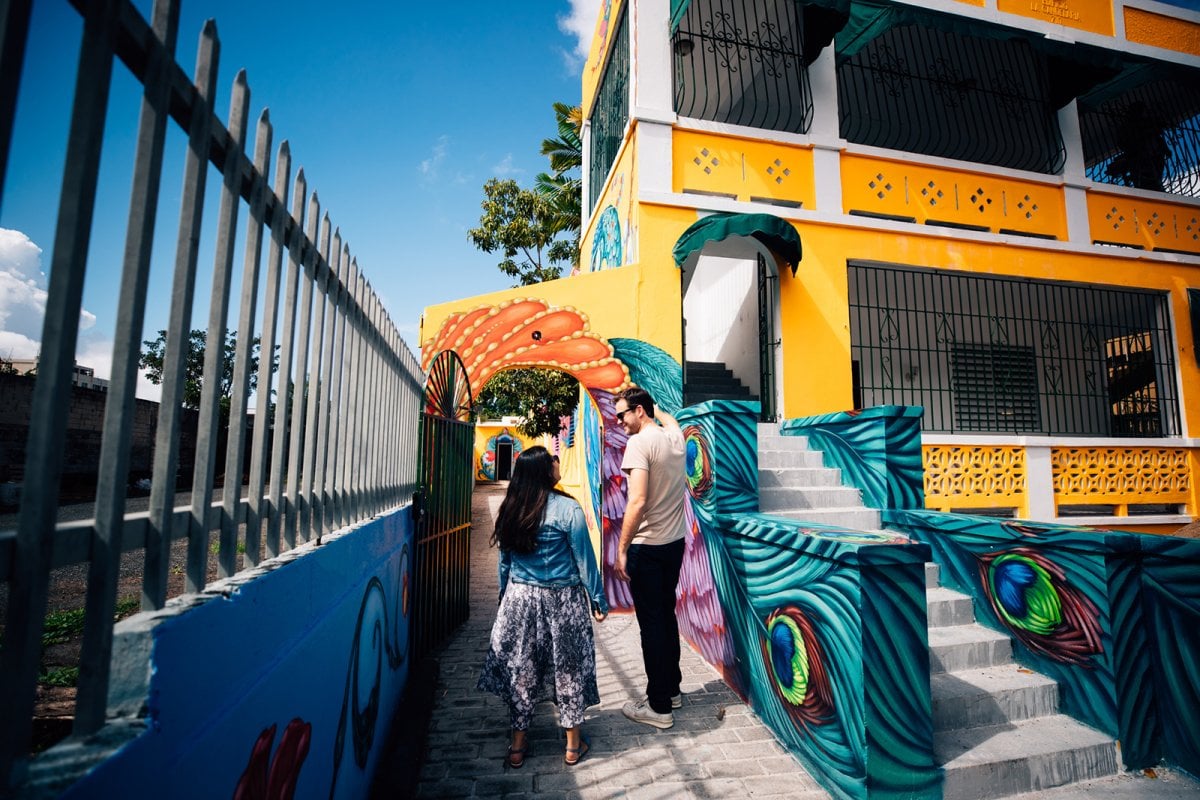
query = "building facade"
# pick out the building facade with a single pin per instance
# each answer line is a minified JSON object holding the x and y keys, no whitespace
{"x":989,"y":209}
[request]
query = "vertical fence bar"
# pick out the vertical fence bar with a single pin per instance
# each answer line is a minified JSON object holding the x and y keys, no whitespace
{"x":28,"y":588}
{"x":256,"y":505}
{"x":349,"y":448}
{"x":231,"y":492}
{"x":289,"y":391}
{"x":319,"y":376}
{"x":159,"y":533}
{"x":321,"y":499}
{"x":304,"y":382}
{"x":14,"y":30}
{"x":94,"y":663}
{"x":214,"y":353}
{"x":331,"y":518}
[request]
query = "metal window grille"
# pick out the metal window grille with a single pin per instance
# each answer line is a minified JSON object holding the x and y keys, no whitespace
{"x":1010,"y":355}
{"x":337,"y":417}
{"x":1147,"y":137}
{"x":741,"y":62}
{"x":611,"y":112}
{"x":929,"y":91}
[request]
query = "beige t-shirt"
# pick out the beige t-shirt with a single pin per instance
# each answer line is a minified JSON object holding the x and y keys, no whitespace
{"x":659,"y":450}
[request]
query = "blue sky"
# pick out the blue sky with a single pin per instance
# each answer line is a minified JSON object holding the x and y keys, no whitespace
{"x":398,"y":113}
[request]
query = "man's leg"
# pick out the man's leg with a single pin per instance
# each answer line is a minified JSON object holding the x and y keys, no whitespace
{"x":653,"y":574}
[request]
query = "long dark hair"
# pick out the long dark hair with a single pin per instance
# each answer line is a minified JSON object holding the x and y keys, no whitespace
{"x":521,"y":513}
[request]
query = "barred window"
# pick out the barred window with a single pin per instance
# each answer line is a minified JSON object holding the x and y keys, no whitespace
{"x":611,"y":111}
{"x":1011,"y":355}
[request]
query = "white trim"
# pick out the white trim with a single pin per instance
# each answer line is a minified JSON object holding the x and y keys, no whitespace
{"x":1018,"y":440}
{"x":1134,"y":519}
{"x":747,"y":132}
{"x":703,"y":204}
{"x":654,"y":156}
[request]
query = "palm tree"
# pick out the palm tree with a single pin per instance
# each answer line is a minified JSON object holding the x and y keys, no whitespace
{"x":564,"y":189}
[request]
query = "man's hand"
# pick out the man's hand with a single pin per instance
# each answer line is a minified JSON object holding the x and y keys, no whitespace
{"x":619,"y":567}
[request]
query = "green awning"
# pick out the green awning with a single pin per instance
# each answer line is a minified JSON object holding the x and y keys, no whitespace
{"x":776,"y":234}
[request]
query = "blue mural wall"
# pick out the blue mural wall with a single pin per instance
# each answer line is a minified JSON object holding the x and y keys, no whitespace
{"x":823,"y":629}
{"x":283,"y":683}
{"x":1114,"y":617}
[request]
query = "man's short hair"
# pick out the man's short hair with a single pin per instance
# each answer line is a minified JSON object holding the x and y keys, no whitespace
{"x":637,"y":396}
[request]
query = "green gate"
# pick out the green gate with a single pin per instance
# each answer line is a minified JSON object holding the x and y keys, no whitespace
{"x":442,"y":577}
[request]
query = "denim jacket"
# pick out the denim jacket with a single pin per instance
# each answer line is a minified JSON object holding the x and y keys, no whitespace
{"x":563,"y":556}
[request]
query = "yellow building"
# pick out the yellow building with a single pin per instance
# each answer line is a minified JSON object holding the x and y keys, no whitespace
{"x":986,"y":208}
{"x":997,"y":204}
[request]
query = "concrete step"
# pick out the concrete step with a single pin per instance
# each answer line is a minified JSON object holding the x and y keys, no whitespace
{"x":1003,"y":760}
{"x":962,"y":647}
{"x":799,"y":476}
{"x":864,"y":519}
{"x":794,"y":498}
{"x":948,"y":607}
{"x":990,"y":696}
{"x":933,"y":574}
{"x":774,"y":459}
{"x":772,"y":439}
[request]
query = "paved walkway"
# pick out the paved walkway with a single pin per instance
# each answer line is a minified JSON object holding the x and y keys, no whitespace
{"x":718,"y":748}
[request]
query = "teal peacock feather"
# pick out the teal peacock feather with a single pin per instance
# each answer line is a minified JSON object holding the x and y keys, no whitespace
{"x":1032,"y":597}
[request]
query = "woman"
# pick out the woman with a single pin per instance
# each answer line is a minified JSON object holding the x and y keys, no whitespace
{"x":542,"y":646}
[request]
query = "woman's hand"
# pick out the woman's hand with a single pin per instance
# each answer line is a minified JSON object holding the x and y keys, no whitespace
{"x":599,"y":616}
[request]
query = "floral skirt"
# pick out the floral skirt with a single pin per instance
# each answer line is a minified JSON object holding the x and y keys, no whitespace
{"x":542,"y":649}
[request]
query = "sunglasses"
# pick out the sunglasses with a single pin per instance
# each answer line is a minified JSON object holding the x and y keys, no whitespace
{"x":621,"y":414}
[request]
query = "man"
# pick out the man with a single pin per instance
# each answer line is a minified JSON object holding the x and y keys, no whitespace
{"x":650,"y":552}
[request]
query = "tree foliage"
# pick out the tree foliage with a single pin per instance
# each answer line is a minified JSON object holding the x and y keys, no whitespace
{"x":538,"y":229}
{"x":520,"y":224}
{"x":193,"y":373}
{"x":541,"y":396}
{"x":564,"y":189}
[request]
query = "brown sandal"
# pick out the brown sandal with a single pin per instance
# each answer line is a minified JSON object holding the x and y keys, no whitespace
{"x":581,"y":751}
{"x":516,"y":756}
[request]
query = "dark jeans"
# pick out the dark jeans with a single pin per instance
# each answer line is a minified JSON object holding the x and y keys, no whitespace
{"x":653,"y":574}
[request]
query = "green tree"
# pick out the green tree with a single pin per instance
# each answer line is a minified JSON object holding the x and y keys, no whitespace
{"x":520,"y":224}
{"x":193,"y":372}
{"x":541,"y":396}
{"x":564,"y":188}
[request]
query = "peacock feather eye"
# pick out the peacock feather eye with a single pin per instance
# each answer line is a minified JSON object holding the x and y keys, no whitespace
{"x":1033,"y":597}
{"x":697,"y":462}
{"x":1025,"y":594}
{"x":789,"y":657}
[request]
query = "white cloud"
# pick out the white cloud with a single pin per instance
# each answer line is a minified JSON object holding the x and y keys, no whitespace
{"x":429,"y":167}
{"x":23,"y":296}
{"x":505,"y":168}
{"x":580,"y":22}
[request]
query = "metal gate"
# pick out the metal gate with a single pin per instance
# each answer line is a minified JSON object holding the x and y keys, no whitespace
{"x":442,"y":578}
{"x":766,"y":340}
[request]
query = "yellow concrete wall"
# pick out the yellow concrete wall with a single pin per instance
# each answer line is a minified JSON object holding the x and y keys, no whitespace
{"x":485,"y":431}
{"x":619,"y":193}
{"x":593,"y":69}
{"x":1157,"y":30}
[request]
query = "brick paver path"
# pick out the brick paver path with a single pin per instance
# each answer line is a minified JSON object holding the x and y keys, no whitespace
{"x":718,"y":748}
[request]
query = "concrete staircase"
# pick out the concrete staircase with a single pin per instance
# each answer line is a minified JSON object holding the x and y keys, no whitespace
{"x":711,"y":380}
{"x":997,"y":730}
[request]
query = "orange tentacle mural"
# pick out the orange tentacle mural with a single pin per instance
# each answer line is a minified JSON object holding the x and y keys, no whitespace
{"x":527,"y":333}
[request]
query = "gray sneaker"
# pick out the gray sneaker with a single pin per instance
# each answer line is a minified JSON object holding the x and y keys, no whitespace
{"x":676,"y":701}
{"x":642,"y":712}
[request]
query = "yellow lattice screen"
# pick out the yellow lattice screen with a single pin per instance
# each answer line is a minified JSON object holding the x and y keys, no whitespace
{"x":1120,"y":476}
{"x":1136,"y":221}
{"x":925,"y":194}
{"x":975,"y":477}
{"x":747,"y":170}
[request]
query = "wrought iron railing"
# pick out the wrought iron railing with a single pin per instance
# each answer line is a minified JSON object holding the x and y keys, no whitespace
{"x":610,"y":113}
{"x":741,"y":62}
{"x":1147,"y":137}
{"x":1009,"y":355}
{"x":337,"y":418}
{"x":925,"y":90}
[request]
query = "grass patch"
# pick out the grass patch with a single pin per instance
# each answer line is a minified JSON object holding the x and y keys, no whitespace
{"x":60,"y":676}
{"x":63,"y":626}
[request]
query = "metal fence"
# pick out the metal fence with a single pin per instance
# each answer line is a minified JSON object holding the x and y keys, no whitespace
{"x":1009,"y":355}
{"x":338,"y":416}
{"x":1148,"y":136}
{"x":925,"y":90}
{"x":742,"y":62}
{"x":611,"y":112}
